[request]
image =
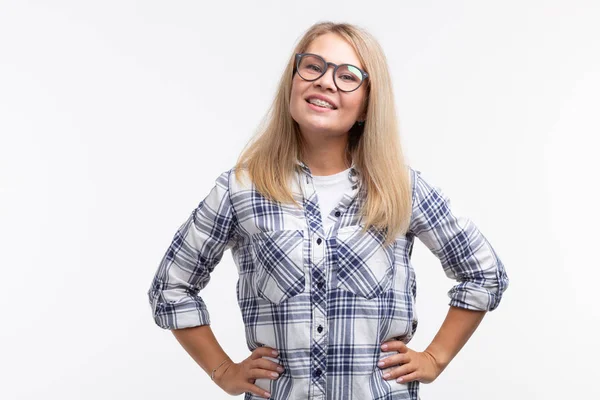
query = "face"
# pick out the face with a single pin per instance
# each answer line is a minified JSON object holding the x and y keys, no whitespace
{"x":347,"y":106}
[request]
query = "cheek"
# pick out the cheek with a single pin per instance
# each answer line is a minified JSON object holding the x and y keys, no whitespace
{"x":294,"y":101}
{"x":297,"y":94}
{"x":353,"y":103}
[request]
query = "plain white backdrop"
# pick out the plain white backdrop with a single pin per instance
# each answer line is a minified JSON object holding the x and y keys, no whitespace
{"x":116,"y":117}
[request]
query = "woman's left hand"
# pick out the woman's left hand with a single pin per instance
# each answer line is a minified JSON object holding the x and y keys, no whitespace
{"x":411,"y":365}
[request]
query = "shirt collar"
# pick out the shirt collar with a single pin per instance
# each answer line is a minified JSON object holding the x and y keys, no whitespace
{"x":352,"y":174}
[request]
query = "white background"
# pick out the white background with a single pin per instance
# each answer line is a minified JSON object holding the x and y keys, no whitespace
{"x":116,"y":117}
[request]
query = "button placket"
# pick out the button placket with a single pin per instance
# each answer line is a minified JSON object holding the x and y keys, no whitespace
{"x":319,"y":333}
{"x":318,"y":273}
{"x":318,"y":248}
{"x":320,"y":326}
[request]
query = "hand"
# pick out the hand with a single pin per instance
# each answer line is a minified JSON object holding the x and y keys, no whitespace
{"x":237,"y":378}
{"x":413,"y":365}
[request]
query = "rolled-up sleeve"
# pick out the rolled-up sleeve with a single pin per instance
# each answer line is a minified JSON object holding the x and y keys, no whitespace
{"x":464,"y":252}
{"x":196,"y":248}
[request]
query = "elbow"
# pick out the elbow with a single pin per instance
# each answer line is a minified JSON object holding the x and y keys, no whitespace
{"x":177,"y":310}
{"x":482,"y":292}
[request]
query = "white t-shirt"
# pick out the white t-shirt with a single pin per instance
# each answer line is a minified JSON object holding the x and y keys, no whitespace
{"x":330,"y":190}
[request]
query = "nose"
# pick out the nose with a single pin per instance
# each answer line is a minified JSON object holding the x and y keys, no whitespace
{"x":326,"y":80}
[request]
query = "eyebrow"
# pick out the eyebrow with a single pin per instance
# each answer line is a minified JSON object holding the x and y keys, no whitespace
{"x":356,"y":65}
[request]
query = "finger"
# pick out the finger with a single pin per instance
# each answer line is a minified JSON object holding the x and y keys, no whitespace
{"x":267,"y":364}
{"x":397,"y":372}
{"x":414,"y":376}
{"x":397,"y":345}
{"x":263,"y":352}
{"x":262,"y":373}
{"x":397,"y":359}
{"x":401,"y":346}
{"x":257,"y":391}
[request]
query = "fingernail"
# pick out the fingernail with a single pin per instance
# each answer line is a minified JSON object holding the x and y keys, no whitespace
{"x":384,"y":346}
{"x":399,"y":380}
{"x":274,"y":352}
{"x":280,"y":369}
{"x":380,"y":363}
{"x":267,"y":394}
{"x":386,"y":375}
{"x":274,"y":374}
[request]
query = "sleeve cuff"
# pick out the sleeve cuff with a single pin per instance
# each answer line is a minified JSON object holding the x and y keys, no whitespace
{"x":186,"y":313}
{"x":473,"y":297}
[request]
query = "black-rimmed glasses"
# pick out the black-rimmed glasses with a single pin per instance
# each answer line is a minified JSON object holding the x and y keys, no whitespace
{"x":346,"y":77}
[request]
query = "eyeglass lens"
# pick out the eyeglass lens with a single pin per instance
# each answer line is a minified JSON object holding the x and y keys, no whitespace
{"x":347,"y":77}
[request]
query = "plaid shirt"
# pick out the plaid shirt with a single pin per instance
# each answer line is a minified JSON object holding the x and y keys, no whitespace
{"x":325,"y":300}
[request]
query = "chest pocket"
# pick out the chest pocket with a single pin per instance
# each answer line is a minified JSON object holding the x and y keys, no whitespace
{"x":364,"y":266}
{"x":279,"y":264}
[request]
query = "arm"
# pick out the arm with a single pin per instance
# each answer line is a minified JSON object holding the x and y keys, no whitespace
{"x":196,"y":248}
{"x":185,"y":269}
{"x":426,"y":366}
{"x":456,"y":329}
{"x":202,"y":345}
{"x":467,"y":257}
{"x":233,"y":378}
{"x":464,"y":253}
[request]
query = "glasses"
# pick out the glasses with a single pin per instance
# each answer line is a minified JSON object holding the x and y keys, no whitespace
{"x":346,"y":77}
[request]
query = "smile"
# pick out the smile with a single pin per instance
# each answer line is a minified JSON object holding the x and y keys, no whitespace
{"x":320,"y":103}
{"x":319,"y":109}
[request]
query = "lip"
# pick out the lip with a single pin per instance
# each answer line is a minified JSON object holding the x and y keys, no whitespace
{"x":321,"y":97}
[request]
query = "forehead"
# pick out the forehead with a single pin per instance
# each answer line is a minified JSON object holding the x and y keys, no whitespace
{"x":333,"y":48}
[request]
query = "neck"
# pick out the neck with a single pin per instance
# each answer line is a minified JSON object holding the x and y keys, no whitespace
{"x":326,"y":157}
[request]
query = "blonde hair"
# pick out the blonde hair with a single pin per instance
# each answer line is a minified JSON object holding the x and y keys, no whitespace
{"x":270,"y":158}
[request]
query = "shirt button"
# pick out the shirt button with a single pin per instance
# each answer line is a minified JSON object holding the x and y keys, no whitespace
{"x":319,"y":241}
{"x":317,"y":372}
{"x":337,"y":213}
{"x":320,"y":284}
{"x":320,"y":329}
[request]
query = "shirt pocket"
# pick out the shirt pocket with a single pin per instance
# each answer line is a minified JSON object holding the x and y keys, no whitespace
{"x":364,"y":265}
{"x":279,"y":264}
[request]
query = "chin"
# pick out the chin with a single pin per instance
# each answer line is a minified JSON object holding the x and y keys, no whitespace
{"x":316,"y":127}
{"x":322,"y":121}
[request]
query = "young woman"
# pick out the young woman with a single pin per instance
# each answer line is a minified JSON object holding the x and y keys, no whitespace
{"x":320,"y":214}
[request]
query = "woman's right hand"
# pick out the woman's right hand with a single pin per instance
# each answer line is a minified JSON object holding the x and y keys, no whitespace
{"x":237,"y":378}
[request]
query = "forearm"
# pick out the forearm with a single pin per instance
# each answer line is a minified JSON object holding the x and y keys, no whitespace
{"x":201,"y":344}
{"x":456,"y":330}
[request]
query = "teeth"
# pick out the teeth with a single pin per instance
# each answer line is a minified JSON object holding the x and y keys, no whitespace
{"x":320,"y":103}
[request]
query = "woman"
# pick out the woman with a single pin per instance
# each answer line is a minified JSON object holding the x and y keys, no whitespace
{"x":320,"y":214}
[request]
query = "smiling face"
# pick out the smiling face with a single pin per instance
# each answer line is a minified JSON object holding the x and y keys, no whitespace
{"x":317,"y":118}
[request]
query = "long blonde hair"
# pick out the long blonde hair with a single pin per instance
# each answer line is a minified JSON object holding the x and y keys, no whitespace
{"x":270,"y":158}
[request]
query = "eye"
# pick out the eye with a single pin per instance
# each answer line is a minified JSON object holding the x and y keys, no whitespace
{"x":314,"y":67}
{"x":348,"y":78}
